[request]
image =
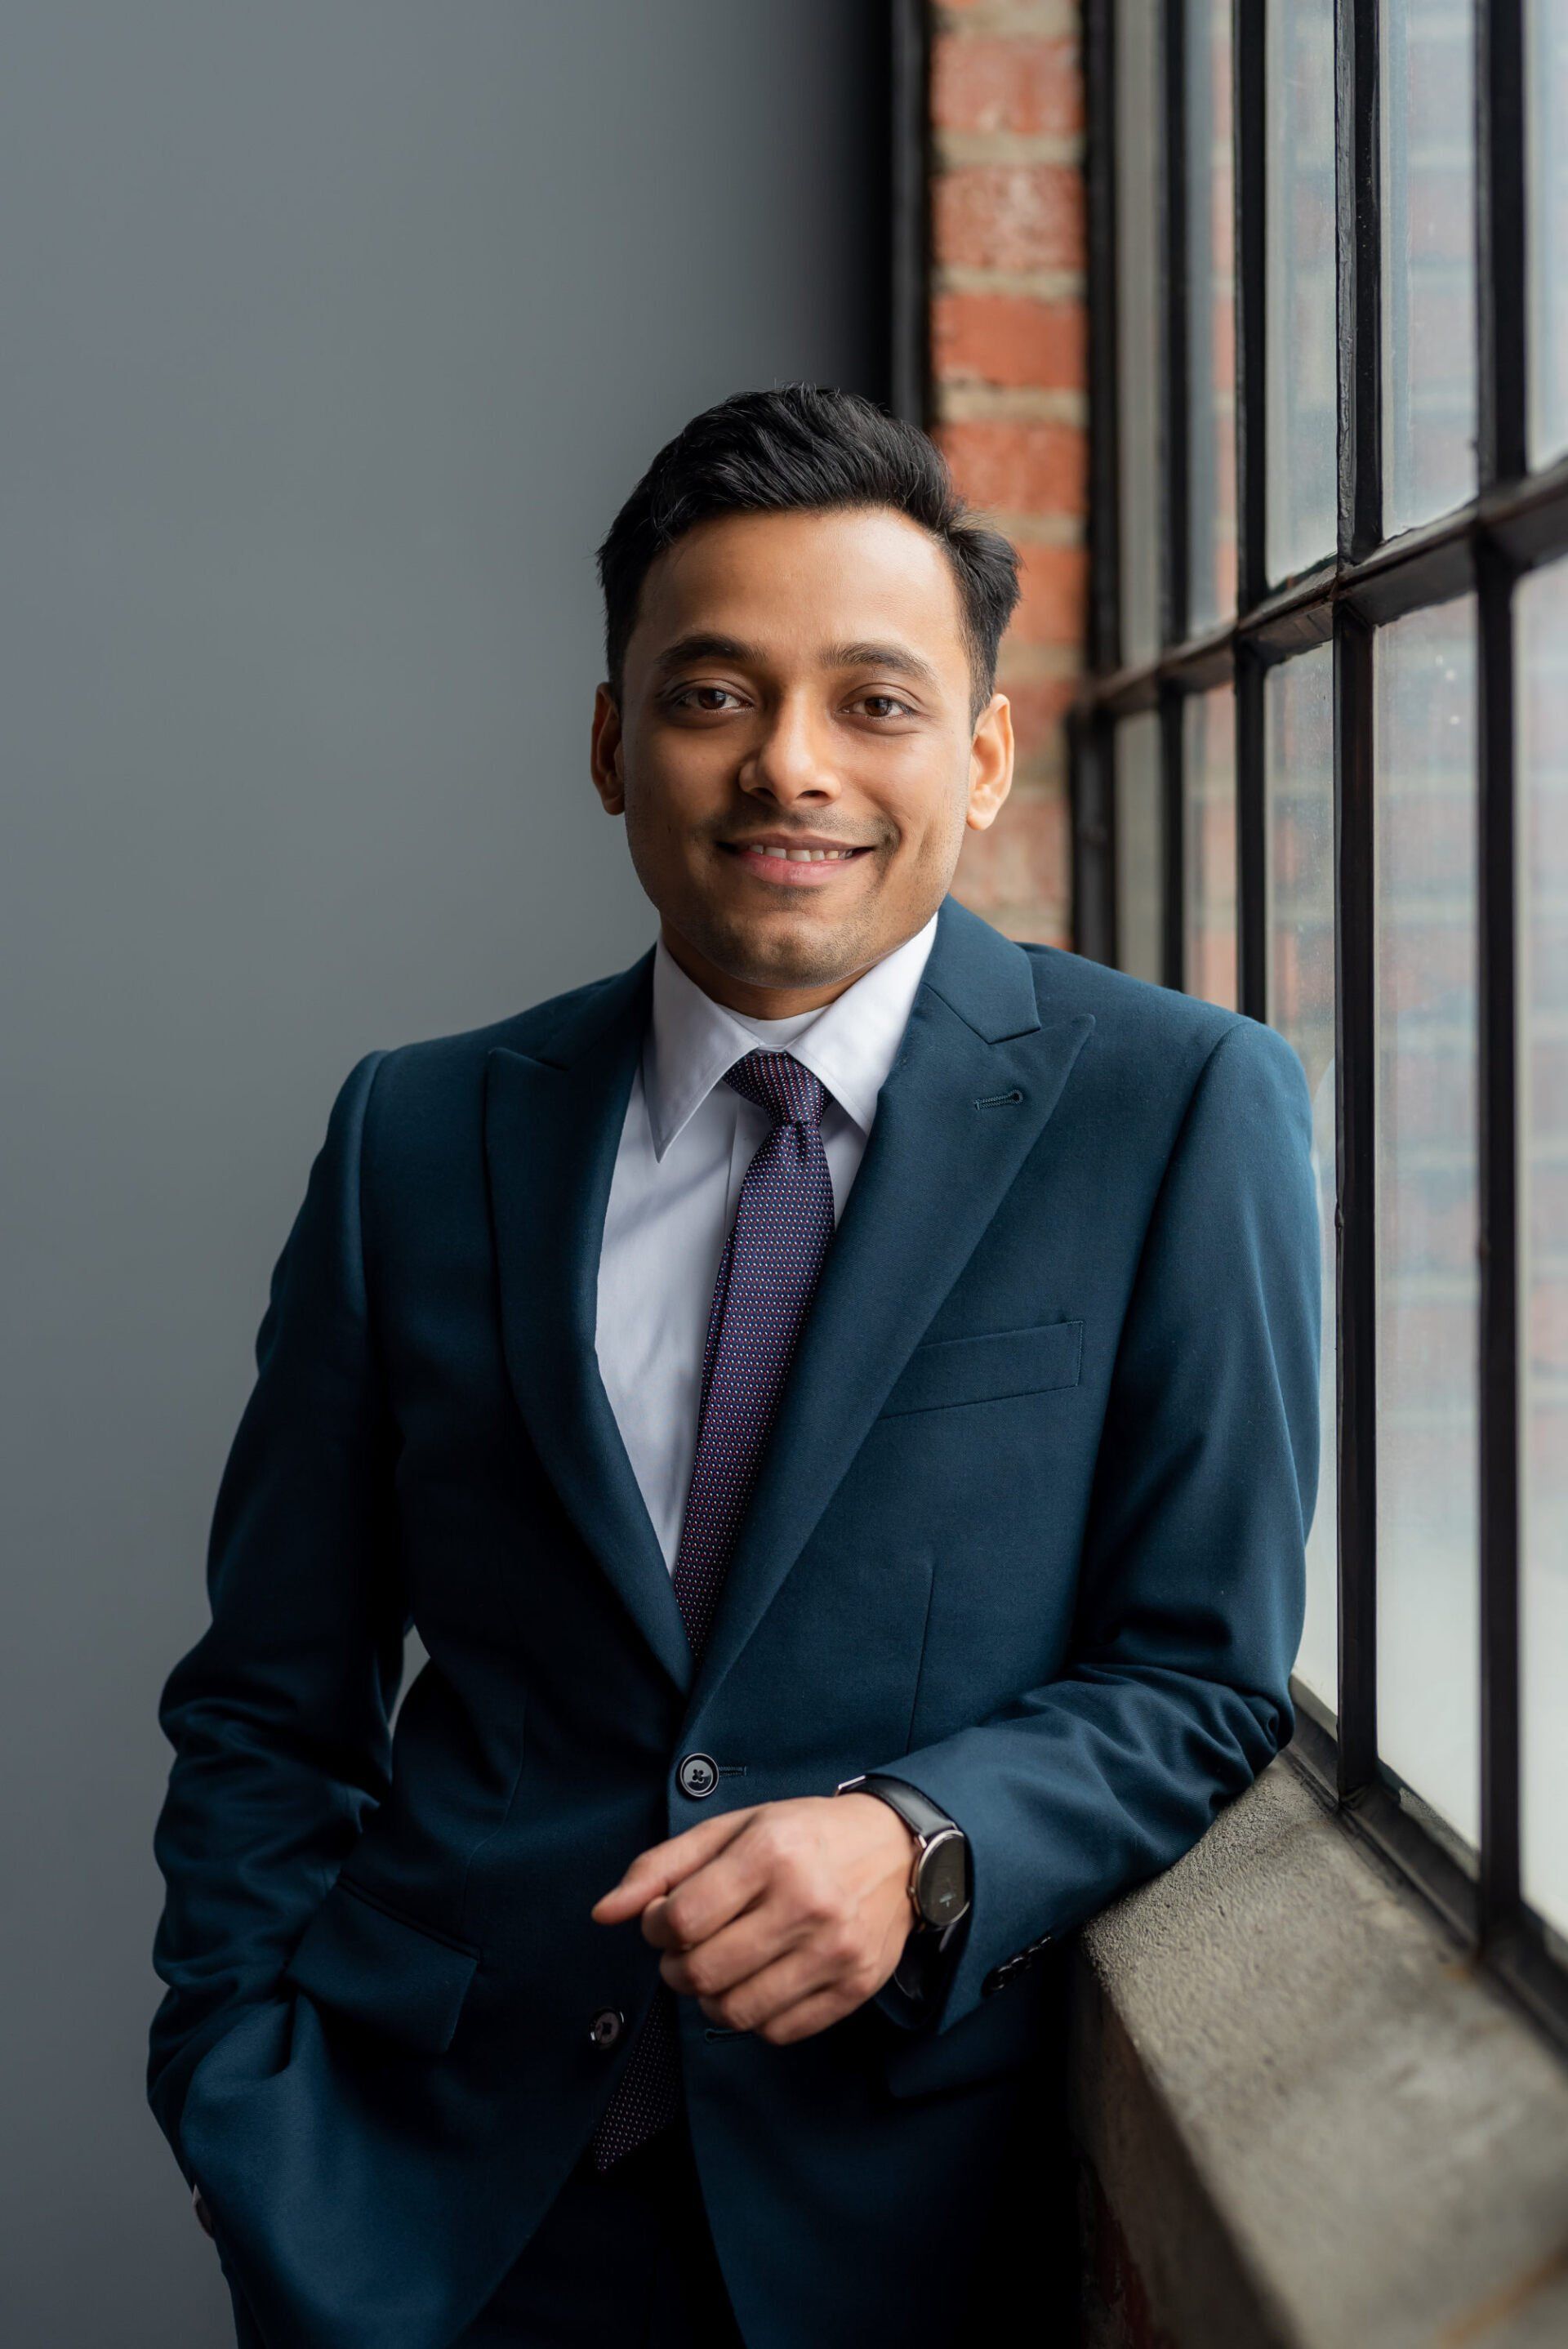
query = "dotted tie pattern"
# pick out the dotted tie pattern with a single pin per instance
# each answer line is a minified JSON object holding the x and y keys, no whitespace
{"x":772,"y":1262}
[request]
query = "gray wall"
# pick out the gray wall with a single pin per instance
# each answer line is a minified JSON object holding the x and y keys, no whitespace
{"x":334,"y":331}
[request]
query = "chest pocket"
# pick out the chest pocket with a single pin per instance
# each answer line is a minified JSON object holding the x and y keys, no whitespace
{"x":947,"y":1372}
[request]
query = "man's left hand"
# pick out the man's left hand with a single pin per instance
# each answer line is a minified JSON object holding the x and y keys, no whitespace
{"x":780,"y":1918}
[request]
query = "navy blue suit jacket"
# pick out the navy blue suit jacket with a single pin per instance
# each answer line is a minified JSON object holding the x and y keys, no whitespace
{"x":1029,"y":1534}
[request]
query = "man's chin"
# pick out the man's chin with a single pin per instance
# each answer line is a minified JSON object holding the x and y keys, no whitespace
{"x":784,"y":952}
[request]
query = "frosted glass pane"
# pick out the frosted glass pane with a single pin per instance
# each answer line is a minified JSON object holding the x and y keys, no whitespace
{"x":1426,"y":1220}
{"x":1212,"y":320}
{"x":1139,"y":848}
{"x":1542,"y":620}
{"x":1299,"y":303}
{"x":1298,"y":784}
{"x":1209,"y":846}
{"x":1546,"y":239}
{"x":1428,"y":258}
{"x":1138,"y":337}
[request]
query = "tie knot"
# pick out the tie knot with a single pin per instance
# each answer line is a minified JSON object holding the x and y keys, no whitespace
{"x":789,"y":1092}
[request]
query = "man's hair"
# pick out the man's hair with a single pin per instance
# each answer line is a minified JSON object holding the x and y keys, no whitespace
{"x":805,"y":447}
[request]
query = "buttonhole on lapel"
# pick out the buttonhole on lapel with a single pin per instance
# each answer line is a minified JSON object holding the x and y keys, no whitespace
{"x":732,"y":1769}
{"x":714,"y":2032}
{"x":1000,"y":1100}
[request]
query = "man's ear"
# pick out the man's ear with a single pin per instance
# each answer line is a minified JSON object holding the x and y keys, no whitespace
{"x":604,"y":753}
{"x":990,"y":763}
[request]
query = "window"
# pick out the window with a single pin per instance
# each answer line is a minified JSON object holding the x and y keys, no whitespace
{"x":1320,"y":773}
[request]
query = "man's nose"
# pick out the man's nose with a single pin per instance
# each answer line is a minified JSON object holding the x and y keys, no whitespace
{"x":790,"y":764}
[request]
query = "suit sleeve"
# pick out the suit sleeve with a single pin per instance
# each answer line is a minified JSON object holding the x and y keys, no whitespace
{"x":279,"y":1716}
{"x":1192,"y":1583}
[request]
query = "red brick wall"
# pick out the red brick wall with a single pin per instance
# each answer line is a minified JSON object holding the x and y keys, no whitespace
{"x":1009,"y":366}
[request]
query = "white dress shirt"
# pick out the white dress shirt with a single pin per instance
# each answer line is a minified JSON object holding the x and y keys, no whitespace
{"x":687,"y":1141}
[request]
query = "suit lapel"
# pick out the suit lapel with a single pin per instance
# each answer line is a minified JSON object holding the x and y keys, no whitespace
{"x":553,"y":1127}
{"x":947,"y":1143}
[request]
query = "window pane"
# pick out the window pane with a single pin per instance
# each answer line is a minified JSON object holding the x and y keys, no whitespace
{"x":1298,"y":783}
{"x":1300,"y":330}
{"x":1428,"y":132}
{"x":1546,"y":241}
{"x":1209,"y":845}
{"x":1139,"y":848}
{"x":1137,"y":338}
{"x":1211,"y":324}
{"x":1542,"y":610}
{"x":1425,"y":1041}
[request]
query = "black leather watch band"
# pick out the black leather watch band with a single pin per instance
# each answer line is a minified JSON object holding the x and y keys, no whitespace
{"x":936,"y":1894}
{"x":916,"y":1810}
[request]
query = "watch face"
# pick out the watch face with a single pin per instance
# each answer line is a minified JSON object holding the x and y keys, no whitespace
{"x":943,"y":1889}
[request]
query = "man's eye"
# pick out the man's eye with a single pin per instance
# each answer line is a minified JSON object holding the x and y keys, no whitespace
{"x":885,"y":705}
{"x":702,"y":696}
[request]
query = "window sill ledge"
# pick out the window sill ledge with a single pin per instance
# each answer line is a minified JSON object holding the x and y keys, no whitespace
{"x":1306,"y":2119}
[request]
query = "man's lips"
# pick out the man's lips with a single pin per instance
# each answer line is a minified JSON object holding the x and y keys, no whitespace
{"x":797,"y":864}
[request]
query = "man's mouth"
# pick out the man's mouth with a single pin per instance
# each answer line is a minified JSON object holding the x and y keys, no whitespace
{"x":794,"y":862}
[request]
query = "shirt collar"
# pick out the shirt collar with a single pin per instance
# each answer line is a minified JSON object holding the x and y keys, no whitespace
{"x":693,"y":1042}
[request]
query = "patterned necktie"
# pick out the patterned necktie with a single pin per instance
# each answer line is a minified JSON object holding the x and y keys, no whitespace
{"x":772,"y":1261}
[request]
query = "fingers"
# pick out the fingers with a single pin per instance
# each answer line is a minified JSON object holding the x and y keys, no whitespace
{"x":796,"y":1995}
{"x":737,"y":1950}
{"x":735,"y":1880}
{"x":663,"y":1865}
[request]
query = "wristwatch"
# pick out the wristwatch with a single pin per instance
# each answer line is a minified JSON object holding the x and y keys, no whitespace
{"x":939,"y":1879}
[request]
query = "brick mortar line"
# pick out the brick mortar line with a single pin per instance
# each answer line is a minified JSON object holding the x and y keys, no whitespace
{"x":1060,"y":285}
{"x":1039,"y":528}
{"x":990,"y":403}
{"x":1025,"y":19}
{"x":978,"y":150}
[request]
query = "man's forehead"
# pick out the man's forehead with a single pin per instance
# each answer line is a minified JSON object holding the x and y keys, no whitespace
{"x":804,"y":584}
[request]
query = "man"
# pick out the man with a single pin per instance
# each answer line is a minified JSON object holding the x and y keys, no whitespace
{"x":846,"y":1346}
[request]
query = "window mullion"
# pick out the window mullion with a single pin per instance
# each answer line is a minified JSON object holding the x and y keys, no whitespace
{"x":1248,"y":183}
{"x":1500,"y":310}
{"x":1173,"y":798}
{"x":1359,"y":257}
{"x":1252,"y":845}
{"x":1500,"y":1723}
{"x":909,"y":356}
{"x":1104,"y":432}
{"x":1093,"y":872}
{"x":1355,"y":1045}
{"x":1501,"y":300}
{"x":1176,"y":452}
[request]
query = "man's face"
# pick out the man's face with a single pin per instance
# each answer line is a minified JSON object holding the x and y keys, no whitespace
{"x":798,"y":682}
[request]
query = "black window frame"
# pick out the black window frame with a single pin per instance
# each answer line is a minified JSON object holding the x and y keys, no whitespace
{"x":1517,"y":521}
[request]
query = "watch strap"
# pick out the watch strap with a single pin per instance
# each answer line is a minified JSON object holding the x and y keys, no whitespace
{"x":918,"y":1812}
{"x":926,"y":1821}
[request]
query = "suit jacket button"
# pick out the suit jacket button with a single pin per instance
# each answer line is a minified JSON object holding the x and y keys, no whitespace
{"x":606,"y":2029}
{"x":697,"y":1775}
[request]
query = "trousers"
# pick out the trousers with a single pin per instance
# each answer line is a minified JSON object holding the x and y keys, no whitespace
{"x":621,"y":2259}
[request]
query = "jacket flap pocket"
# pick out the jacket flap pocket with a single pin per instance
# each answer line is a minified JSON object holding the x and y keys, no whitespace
{"x":384,"y":1971}
{"x":987,"y":1369}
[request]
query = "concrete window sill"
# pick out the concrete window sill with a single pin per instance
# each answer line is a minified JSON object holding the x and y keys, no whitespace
{"x":1306,"y":2121}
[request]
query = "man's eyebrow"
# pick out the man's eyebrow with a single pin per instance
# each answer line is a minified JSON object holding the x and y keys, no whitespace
{"x":896,"y":657}
{"x":705,"y":643}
